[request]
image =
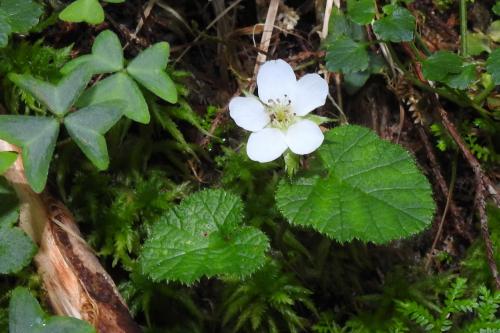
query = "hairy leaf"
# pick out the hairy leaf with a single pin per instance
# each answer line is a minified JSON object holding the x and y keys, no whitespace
{"x":148,"y":68}
{"x":89,"y":11}
{"x":347,"y":56}
{"x":203,"y":236}
{"x":106,"y":57}
{"x":7,"y":158}
{"x":37,"y":137}
{"x":397,"y":26}
{"x":373,"y":191}
{"x":88,"y":126}
{"x":118,"y":87}
{"x":57,"y":98}
{"x":26,"y":315}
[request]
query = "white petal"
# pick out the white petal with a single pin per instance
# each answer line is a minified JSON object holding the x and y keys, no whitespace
{"x":275,"y":80}
{"x":266,"y":145}
{"x":304,"y":137}
{"x":248,"y":113}
{"x":311,"y":93}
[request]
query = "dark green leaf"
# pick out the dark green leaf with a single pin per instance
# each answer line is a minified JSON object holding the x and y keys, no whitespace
{"x":7,"y":158}
{"x":22,"y":15}
{"x":16,"y":248}
{"x":89,"y":11}
{"x":361,"y":11}
{"x":464,"y":79}
{"x":397,"y":26}
{"x":346,"y":56}
{"x":106,"y":57}
{"x":440,"y":65}
{"x":88,"y":126}
{"x":149,"y":69}
{"x":496,"y":8}
{"x":118,"y":87}
{"x":203,"y":236}
{"x":340,"y":26}
{"x":5,"y":29}
{"x":373,"y":191}
{"x":493,"y":65}
{"x":37,"y":137}
{"x":57,"y":98}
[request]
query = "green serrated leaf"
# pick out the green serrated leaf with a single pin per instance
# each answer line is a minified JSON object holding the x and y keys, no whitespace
{"x":203,"y":236}
{"x":340,"y":26}
{"x":361,"y":11}
{"x":89,"y":11}
{"x":440,"y":65}
{"x":493,"y":65}
{"x":397,"y":26}
{"x":7,"y":158}
{"x":346,"y":56}
{"x":148,"y":68}
{"x":373,"y":191}
{"x":26,"y":316}
{"x":16,"y":248}
{"x":37,"y":137}
{"x":87,"y":127}
{"x":106,"y":57}
{"x":57,"y":98}
{"x":118,"y":87}
{"x":464,"y":79}
{"x":22,"y":15}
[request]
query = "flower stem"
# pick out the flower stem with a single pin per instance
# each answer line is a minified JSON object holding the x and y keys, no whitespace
{"x":463,"y":28}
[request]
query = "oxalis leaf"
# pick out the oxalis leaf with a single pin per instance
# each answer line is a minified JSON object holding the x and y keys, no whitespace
{"x":26,"y":316}
{"x":397,"y":26}
{"x":203,"y":236}
{"x":89,"y":11}
{"x":87,"y":126}
{"x":37,"y":137}
{"x":16,"y":248}
{"x":373,"y":191}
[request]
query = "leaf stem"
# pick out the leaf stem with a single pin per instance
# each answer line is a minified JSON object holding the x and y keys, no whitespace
{"x":463,"y":28}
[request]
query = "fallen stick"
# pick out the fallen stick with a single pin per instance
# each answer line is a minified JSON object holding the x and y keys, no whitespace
{"x":76,"y":283}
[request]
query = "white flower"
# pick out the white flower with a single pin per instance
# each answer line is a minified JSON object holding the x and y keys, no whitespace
{"x":278,"y":120}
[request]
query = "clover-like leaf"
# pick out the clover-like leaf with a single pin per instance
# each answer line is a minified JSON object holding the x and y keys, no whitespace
{"x":148,"y":68}
{"x":37,"y":137}
{"x":397,"y":26}
{"x":119,"y":86}
{"x":203,"y":236}
{"x":89,"y":11}
{"x":373,"y":190}
{"x":493,"y":65}
{"x":16,"y":248}
{"x":87,"y":127}
{"x":346,"y":56}
{"x":57,"y":98}
{"x":26,"y":316}
{"x":106,"y":57}
{"x":361,"y":11}
{"x":7,"y":158}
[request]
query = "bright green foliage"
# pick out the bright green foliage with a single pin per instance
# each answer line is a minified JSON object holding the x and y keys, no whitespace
{"x":266,"y":302}
{"x":7,"y":158}
{"x":477,"y":43}
{"x":26,"y":315}
{"x":361,"y":11}
{"x":347,"y":56}
{"x":148,"y":68}
{"x":441,"y":64}
{"x":397,"y":26}
{"x":106,"y":57}
{"x":87,"y":127}
{"x":57,"y":98}
{"x":89,"y":11}
{"x":17,"y":16}
{"x":37,"y":138}
{"x":119,"y":86}
{"x":463,"y":79}
{"x":203,"y":236}
{"x":372,"y":191}
{"x":493,"y":65}
{"x":16,"y":248}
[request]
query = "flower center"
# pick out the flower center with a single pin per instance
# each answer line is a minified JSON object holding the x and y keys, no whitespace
{"x":280,"y":112}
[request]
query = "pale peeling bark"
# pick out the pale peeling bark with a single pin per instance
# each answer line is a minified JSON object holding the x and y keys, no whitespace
{"x":76,"y":283}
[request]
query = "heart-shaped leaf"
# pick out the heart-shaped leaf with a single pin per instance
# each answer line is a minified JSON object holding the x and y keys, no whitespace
{"x":397,"y":26}
{"x":118,"y":87}
{"x":7,"y":158}
{"x":87,"y":126}
{"x":373,"y":191}
{"x":57,"y":98}
{"x":89,"y":11}
{"x":149,"y":69}
{"x":106,"y":57}
{"x":26,"y":316}
{"x":203,"y":236}
{"x":37,"y":137}
{"x":16,"y":248}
